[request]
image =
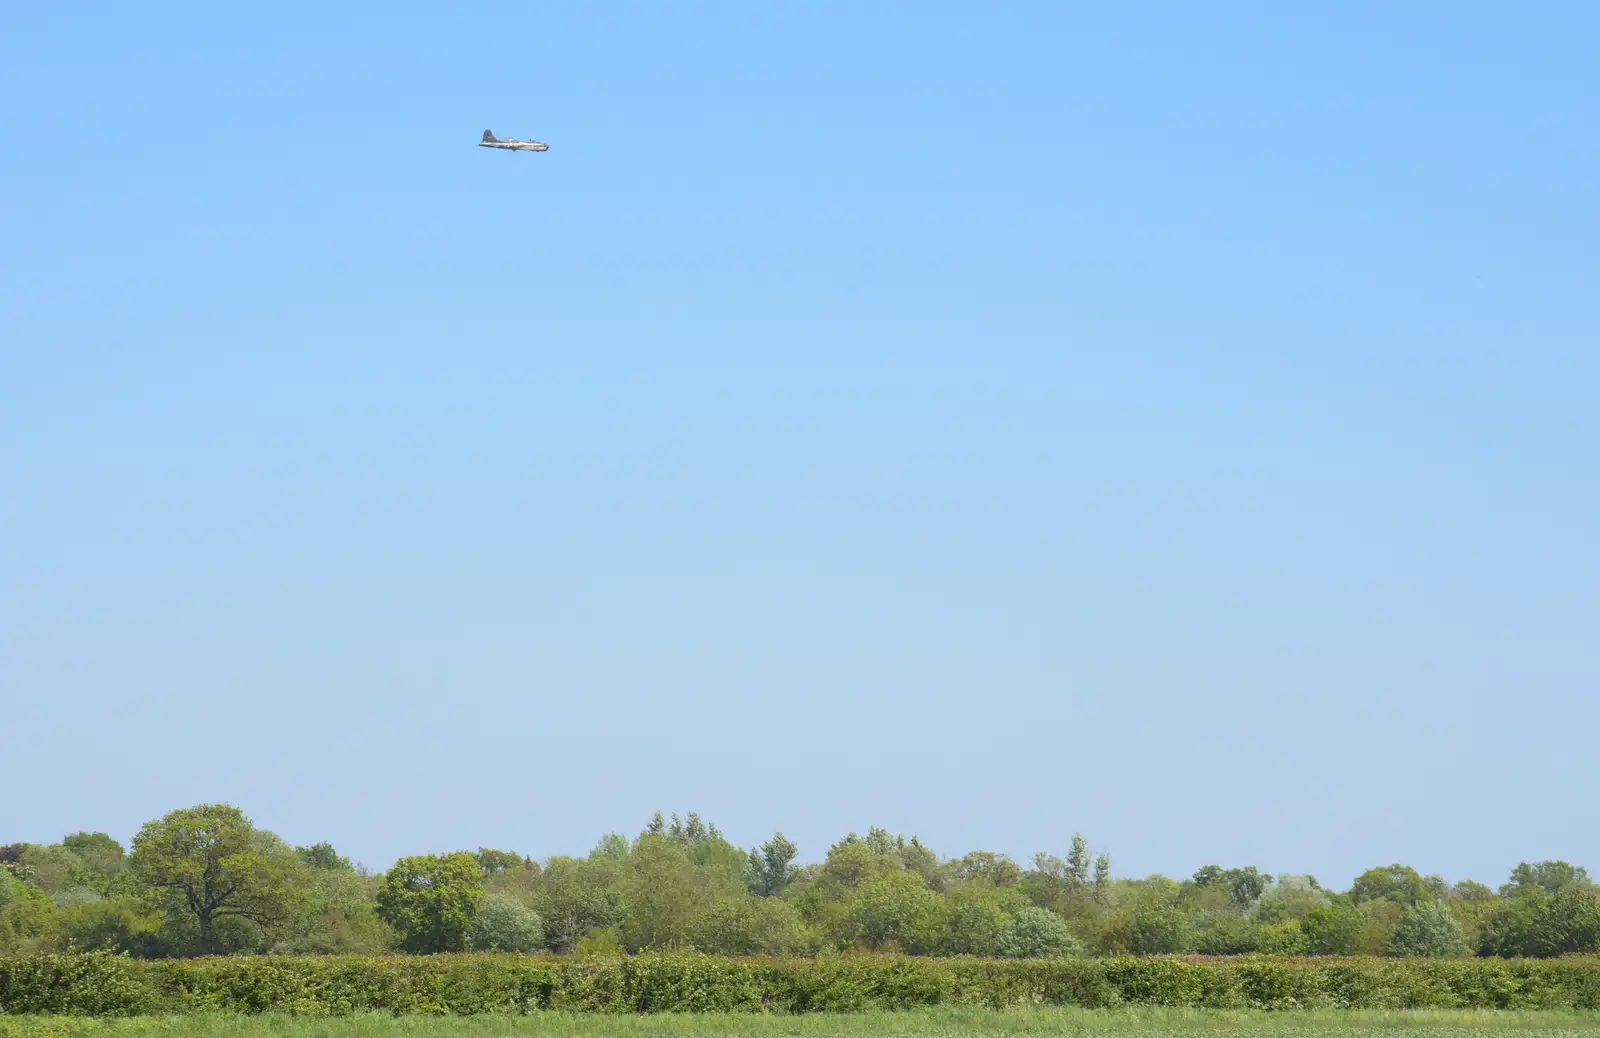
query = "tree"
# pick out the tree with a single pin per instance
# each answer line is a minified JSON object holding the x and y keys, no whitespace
{"x":989,"y":869}
{"x":1037,"y":933}
{"x":219,"y":866}
{"x":493,"y":862}
{"x":576,"y":897}
{"x":1427,"y":928}
{"x":54,"y":868}
{"x":1550,"y":876}
{"x":1223,"y":932}
{"x":1471,"y":892}
{"x":1078,"y":863}
{"x":1333,"y":929}
{"x":1571,"y":926}
{"x":506,"y":925}
{"x":896,"y":912}
{"x":323,"y":856}
{"x":771,"y":868}
{"x":102,"y":857}
{"x":1102,"y":871}
{"x":974,"y":917}
{"x":1400,"y":884}
{"x":752,"y":926}
{"x":1158,"y":929}
{"x":28,"y":920}
{"x":431,"y":900}
{"x":917,"y":857}
{"x":1246,"y":885}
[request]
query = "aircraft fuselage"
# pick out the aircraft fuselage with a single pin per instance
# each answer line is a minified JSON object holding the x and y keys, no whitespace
{"x":515,"y":145}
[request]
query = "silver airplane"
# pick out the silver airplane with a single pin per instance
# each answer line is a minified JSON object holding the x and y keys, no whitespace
{"x":510,"y":143}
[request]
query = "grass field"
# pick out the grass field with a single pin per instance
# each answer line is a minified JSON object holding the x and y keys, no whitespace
{"x":1121,"y":1023}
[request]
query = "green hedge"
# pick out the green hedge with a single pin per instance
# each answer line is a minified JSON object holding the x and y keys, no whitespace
{"x":107,"y":985}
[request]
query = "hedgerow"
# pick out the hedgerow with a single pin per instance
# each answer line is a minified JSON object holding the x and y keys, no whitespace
{"x":98,"y":984}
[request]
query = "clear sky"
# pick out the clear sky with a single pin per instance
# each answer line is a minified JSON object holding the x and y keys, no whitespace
{"x":1174,"y":422}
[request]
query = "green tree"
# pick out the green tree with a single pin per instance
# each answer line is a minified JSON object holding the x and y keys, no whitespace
{"x":219,"y":867}
{"x":494,"y":862}
{"x":506,"y":925}
{"x":771,"y":868}
{"x":974,"y":918}
{"x":989,"y":869}
{"x":29,"y":921}
{"x":102,"y":858}
{"x":743,"y":925}
{"x":323,"y":856}
{"x":1158,"y":929}
{"x":119,"y":924}
{"x":1471,"y":892}
{"x":663,"y":894}
{"x":915,"y":856}
{"x":576,"y":897}
{"x":1550,"y":876}
{"x":896,"y":912}
{"x":1400,"y":884}
{"x":1333,"y":929}
{"x":1427,"y":928}
{"x":1037,"y":933}
{"x":1223,"y":933}
{"x":1078,"y":861}
{"x":1291,"y":898}
{"x":1571,"y":924}
{"x":1246,"y":885}
{"x":430,"y":900}
{"x":53,"y":867}
{"x":1285,"y":938}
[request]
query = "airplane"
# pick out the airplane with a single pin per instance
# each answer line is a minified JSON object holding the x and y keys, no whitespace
{"x":510,"y":143}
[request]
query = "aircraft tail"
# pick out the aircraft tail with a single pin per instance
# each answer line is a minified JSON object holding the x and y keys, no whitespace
{"x":488,"y":136}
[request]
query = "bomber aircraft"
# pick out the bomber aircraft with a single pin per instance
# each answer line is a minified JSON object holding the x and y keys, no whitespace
{"x":510,"y":143}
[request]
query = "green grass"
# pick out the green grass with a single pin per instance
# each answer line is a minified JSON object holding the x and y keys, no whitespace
{"x":935,"y":1023}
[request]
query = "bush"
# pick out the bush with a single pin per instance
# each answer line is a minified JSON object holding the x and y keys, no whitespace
{"x":506,"y":925}
{"x":99,"y":984}
{"x":1037,"y":933}
{"x":1427,"y":928}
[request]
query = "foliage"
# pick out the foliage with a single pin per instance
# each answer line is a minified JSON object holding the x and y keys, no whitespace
{"x":577,"y":897}
{"x":506,"y":925}
{"x":431,"y":899}
{"x":1036,"y":933}
{"x":1427,"y":928}
{"x":1333,"y":929}
{"x":1400,"y":884}
{"x":323,"y":856}
{"x":105,"y":985}
{"x":1550,"y":876}
{"x":753,"y":926}
{"x":205,"y":881}
{"x":52,"y":866}
{"x":771,"y":868}
{"x":101,"y":857}
{"x":218,"y":866}
{"x":493,"y":862}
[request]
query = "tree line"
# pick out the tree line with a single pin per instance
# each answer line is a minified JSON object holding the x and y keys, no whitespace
{"x":206,"y":881}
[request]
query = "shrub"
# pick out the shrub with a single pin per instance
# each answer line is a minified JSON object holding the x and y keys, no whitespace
{"x":1427,"y":929}
{"x":506,"y":925}
{"x":1037,"y":933}
{"x":100,"y":984}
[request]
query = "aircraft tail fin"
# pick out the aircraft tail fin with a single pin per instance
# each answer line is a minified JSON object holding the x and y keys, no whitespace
{"x":488,"y":136}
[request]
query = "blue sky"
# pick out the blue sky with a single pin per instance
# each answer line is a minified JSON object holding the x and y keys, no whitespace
{"x":1171,"y":422}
